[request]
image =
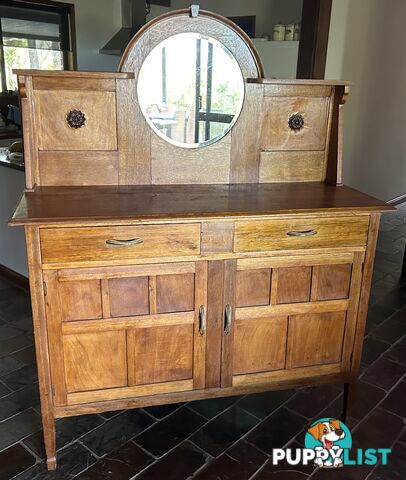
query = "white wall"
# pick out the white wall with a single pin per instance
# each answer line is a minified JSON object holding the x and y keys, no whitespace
{"x":12,"y":242}
{"x":366,"y":45}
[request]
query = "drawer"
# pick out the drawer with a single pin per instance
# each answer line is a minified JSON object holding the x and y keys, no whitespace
{"x":303,"y":232}
{"x":87,"y":244}
{"x":278,"y":135}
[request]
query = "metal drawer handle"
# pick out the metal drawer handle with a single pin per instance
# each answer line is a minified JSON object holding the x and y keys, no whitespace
{"x":228,"y":320}
{"x":303,"y":233}
{"x":202,"y":320}
{"x":124,"y":243}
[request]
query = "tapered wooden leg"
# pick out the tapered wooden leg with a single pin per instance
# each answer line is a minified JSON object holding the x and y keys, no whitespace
{"x":48,"y":425}
{"x":349,"y":397}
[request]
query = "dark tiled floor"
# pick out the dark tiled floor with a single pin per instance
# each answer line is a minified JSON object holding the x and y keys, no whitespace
{"x":220,"y":439}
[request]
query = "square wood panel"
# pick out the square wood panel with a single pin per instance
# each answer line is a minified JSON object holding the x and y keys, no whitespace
{"x":292,"y":285}
{"x":80,"y":300}
{"x":128,"y":296}
{"x":94,"y":361}
{"x":161,"y":354}
{"x":175,"y":293}
{"x":259,"y":345}
{"x":253,"y":287}
{"x":315,"y":339}
{"x":331,"y":282}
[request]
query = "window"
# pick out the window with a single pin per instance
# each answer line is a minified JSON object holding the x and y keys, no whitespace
{"x":34,"y":35}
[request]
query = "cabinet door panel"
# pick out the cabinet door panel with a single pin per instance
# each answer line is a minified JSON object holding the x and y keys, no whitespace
{"x":253,"y":287}
{"x":331,"y":282}
{"x":259,"y":345}
{"x":94,"y":361}
{"x":292,"y":285}
{"x":128,"y":296}
{"x":161,"y":354}
{"x":80,"y":300}
{"x":175,"y":293}
{"x":315,"y":339}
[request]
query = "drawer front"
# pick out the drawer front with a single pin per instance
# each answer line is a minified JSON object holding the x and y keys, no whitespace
{"x":278,"y":135}
{"x":300,"y":233}
{"x":98,"y":131}
{"x":63,"y":245}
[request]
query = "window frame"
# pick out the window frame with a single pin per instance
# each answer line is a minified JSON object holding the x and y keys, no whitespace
{"x":68,"y":9}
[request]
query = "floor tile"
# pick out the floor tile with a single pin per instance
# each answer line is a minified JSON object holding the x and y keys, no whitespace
{"x":14,"y":344}
{"x":4,"y":390}
{"x":212,"y":407}
{"x":383,"y":373}
{"x":391,"y":330}
{"x":18,"y":427}
{"x":26,"y":355}
{"x":396,"y":467}
{"x":18,"y":401}
{"x":170,"y":431}
{"x":224,"y":430}
{"x":395,"y":401}
{"x":310,"y":401}
{"x":162,"y":411}
{"x":276,"y":430}
{"x":378,"y":430}
{"x":9,"y":364}
{"x":14,"y":303}
{"x":262,"y":404}
{"x":122,"y":464}
{"x":7,"y":332}
{"x":67,"y":430}
{"x":179,"y":464}
{"x":14,"y":460}
{"x":117,"y":431}
{"x":373,"y":349}
{"x":21,"y":378}
{"x":397,"y":353}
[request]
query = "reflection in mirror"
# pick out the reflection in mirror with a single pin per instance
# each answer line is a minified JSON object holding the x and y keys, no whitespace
{"x":191,"y":90}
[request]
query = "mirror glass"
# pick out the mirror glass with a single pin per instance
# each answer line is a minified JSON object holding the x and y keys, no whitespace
{"x":191,"y":90}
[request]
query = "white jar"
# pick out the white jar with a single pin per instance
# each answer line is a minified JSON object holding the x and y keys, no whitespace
{"x":290,"y":32}
{"x":279,"y":32}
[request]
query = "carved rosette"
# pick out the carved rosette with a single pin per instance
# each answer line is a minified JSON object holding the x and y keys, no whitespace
{"x":296,"y":121}
{"x":76,"y":119}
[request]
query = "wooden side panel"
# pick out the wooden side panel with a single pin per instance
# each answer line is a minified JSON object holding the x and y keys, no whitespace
{"x":298,"y":166}
{"x":293,"y":285}
{"x":80,"y":300}
{"x":259,"y":345}
{"x":253,"y":287}
{"x":163,"y":354}
{"x":95,"y":361}
{"x":128,"y":296}
{"x":315,"y":339}
{"x":331,"y":282}
{"x":276,"y":133}
{"x":78,"y":168}
{"x":99,"y":131}
{"x":175,"y":293}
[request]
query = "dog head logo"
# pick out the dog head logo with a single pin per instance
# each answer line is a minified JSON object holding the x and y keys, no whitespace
{"x":328,"y":437}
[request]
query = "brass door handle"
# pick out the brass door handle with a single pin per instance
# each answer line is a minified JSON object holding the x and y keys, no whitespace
{"x":228,"y":319}
{"x":124,"y":243}
{"x":202,"y":320}
{"x":303,"y":233}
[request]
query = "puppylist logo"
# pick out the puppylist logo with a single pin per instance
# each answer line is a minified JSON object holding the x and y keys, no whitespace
{"x":328,"y":444}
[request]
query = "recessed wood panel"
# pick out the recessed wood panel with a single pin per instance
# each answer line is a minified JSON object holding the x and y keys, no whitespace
{"x":276,"y":133}
{"x":331,"y":282}
{"x":300,"y":232}
{"x":259,"y":345}
{"x":293,"y":284}
{"x":95,"y":361}
{"x":315,"y":339}
{"x":277,"y":167}
{"x":175,"y":293}
{"x":128,"y":296}
{"x":253,"y":287}
{"x":80,"y":300}
{"x":99,"y":131}
{"x":162,"y":354}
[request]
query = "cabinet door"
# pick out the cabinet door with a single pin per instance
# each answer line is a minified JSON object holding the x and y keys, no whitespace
{"x":126,"y":331}
{"x":289,"y":317}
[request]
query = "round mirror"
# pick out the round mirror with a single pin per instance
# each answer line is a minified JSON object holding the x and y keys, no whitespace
{"x":191,"y":90}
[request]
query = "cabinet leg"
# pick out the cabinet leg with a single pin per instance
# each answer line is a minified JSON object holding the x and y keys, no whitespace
{"x":349,"y":397}
{"x":48,"y":423}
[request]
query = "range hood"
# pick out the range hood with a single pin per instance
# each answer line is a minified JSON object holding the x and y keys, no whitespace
{"x":133,"y":17}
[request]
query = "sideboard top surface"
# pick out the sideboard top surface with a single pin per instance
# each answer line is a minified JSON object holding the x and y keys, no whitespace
{"x":52,"y":205}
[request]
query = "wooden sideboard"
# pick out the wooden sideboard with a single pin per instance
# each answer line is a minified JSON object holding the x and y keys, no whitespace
{"x":162,"y":273}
